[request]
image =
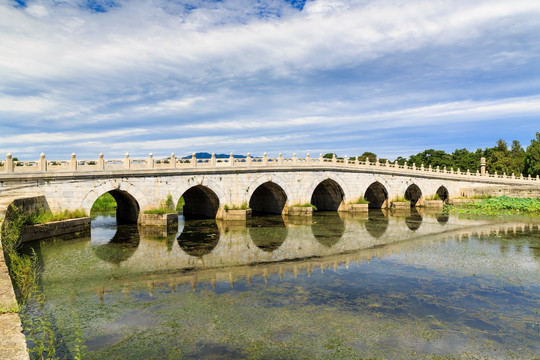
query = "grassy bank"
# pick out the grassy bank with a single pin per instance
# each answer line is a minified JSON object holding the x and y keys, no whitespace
{"x":24,"y":272}
{"x":503,"y":205}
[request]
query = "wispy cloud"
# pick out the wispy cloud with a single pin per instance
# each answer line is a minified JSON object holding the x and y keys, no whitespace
{"x":214,"y":75}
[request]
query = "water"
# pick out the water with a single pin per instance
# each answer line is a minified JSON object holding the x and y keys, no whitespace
{"x":335,"y":286}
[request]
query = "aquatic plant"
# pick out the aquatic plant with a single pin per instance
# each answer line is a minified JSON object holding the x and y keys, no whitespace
{"x":503,"y":205}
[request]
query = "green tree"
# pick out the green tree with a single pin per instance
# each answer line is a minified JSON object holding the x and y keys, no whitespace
{"x":532,"y":157}
{"x":329,"y":155}
{"x":431,"y":157}
{"x":504,"y":160}
{"x":367,"y":154}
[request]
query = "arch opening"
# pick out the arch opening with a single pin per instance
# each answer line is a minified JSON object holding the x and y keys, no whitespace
{"x":120,"y":202}
{"x":443,"y":194}
{"x":413,"y":194}
{"x":268,"y":198}
{"x":200,"y":202}
{"x":328,"y":195}
{"x":377,"y":195}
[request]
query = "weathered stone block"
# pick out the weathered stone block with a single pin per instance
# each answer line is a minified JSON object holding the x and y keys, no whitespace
{"x":300,"y":211}
{"x":400,"y":205}
{"x":55,"y":228}
{"x":433,"y":203}
{"x":237,"y":214}
{"x":168,"y":220}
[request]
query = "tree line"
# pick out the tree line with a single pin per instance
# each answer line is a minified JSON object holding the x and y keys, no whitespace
{"x":501,"y":158}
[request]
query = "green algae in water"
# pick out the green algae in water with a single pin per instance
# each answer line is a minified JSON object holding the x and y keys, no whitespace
{"x":442,"y":296}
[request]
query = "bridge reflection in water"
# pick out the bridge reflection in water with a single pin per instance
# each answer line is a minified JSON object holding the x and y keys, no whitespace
{"x":210,"y":246}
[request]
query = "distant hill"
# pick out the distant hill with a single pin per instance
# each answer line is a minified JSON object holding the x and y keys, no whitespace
{"x":205,"y":155}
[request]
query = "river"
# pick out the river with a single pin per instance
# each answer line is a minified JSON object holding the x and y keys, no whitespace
{"x":415,"y":285}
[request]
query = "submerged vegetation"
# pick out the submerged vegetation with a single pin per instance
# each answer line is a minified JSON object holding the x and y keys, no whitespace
{"x":503,"y":205}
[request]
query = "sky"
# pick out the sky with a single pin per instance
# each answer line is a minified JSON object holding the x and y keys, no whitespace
{"x":394,"y":77}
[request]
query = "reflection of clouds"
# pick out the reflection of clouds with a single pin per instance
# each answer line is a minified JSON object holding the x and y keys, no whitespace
{"x":103,"y":228}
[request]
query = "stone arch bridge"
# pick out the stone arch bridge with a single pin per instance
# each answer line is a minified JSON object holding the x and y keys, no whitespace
{"x":210,"y":187}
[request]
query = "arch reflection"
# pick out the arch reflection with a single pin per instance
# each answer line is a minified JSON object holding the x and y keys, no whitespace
{"x":121,"y":247}
{"x":414,"y":220}
{"x":199,"y":237}
{"x":327,"y":228}
{"x":377,"y":223}
{"x":268,"y":232}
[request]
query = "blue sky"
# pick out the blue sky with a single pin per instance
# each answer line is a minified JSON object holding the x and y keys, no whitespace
{"x":393,"y":77}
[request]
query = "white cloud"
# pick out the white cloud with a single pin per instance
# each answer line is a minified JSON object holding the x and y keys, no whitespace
{"x":238,"y":66}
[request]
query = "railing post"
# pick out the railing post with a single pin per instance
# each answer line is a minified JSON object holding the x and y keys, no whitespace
{"x":483,"y":166}
{"x":346,"y":161}
{"x":42,"y":162}
{"x":537,"y":177}
{"x":430,"y":169}
{"x":387,"y":163}
{"x":356,"y":161}
{"x":367,"y":161}
{"x":101,"y":162}
{"x":444,"y":169}
{"x":193,"y":160}
{"x":294,"y":160}
{"x":513,"y":176}
{"x":73,"y":162}
{"x":308,"y":159}
{"x":127,"y":161}
{"x":150,"y":161}
{"x":173,"y":161}
{"x":458,"y":171}
{"x":248,"y":159}
{"x":414,"y":166}
{"x":213,"y":161}
{"x":321,"y":159}
{"x":265,"y":159}
{"x":422,"y":167}
{"x":334,"y":159}
{"x":9,"y":162}
{"x":231,"y":160}
{"x":468,"y":172}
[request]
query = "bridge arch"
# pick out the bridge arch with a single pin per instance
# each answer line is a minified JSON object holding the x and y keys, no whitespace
{"x":328,"y":195}
{"x":200,"y":202}
{"x":199,"y":237}
{"x":268,"y":198}
{"x":443,"y":193}
{"x":129,"y":200}
{"x":413,"y":193}
{"x":377,"y":195}
{"x":333,"y":179}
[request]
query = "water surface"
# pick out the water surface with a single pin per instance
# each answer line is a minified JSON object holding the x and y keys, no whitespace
{"x":413,"y":285}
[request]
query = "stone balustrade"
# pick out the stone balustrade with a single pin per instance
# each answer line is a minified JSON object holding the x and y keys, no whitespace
{"x":10,"y":166}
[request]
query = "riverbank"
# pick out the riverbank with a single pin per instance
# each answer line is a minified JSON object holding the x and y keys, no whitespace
{"x":12,"y":340}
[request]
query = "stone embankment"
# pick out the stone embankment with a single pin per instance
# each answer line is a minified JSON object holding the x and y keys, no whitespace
{"x":12,"y":340}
